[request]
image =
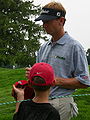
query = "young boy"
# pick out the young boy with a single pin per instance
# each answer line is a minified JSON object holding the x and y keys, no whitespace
{"x":41,"y":77}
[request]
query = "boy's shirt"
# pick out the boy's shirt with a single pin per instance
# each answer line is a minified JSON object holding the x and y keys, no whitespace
{"x":29,"y":110}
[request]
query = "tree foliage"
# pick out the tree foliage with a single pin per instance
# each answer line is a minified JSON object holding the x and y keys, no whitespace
{"x":88,"y":55}
{"x":19,"y":35}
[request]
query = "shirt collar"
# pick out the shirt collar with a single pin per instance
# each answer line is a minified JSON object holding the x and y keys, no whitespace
{"x":61,"y":41}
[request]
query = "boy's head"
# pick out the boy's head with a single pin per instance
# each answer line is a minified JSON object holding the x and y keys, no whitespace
{"x":41,"y":76}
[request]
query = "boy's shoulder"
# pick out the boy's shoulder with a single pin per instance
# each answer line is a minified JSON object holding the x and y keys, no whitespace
{"x":54,"y":114}
{"x":41,"y":111}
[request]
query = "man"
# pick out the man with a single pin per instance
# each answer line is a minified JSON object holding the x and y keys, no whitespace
{"x":66,"y":56}
{"x":41,"y":78}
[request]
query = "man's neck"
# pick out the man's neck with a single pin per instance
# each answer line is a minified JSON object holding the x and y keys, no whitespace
{"x":57,"y":36}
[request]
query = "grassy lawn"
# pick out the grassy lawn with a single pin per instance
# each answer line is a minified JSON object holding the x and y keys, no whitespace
{"x":7,"y":78}
{"x":10,"y":76}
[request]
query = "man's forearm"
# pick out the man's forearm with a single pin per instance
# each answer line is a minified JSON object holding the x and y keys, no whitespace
{"x":69,"y":83}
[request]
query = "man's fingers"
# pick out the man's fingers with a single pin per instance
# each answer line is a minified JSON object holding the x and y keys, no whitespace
{"x":28,"y":69}
{"x":27,"y":72}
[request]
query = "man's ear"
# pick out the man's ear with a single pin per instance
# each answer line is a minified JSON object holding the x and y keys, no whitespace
{"x":62,"y":21}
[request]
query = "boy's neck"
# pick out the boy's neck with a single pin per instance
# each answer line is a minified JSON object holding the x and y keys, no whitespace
{"x":41,"y":97}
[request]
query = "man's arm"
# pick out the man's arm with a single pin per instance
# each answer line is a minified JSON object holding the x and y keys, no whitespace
{"x":69,"y":83}
{"x":81,"y":73}
{"x":28,"y":71}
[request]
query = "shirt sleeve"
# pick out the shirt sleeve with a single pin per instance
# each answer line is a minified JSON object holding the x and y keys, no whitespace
{"x":37,"y":57}
{"x":81,"y":72}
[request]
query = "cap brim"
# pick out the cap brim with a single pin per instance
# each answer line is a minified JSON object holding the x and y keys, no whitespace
{"x":45,"y":18}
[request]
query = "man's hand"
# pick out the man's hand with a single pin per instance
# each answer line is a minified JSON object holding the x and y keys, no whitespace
{"x":58,"y":81}
{"x":28,"y":72}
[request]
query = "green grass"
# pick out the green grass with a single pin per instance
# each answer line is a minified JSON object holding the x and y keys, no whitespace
{"x":10,"y":76}
{"x":7,"y":78}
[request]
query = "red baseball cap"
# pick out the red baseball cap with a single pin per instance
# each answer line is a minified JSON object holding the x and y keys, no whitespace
{"x":44,"y":71}
{"x":21,"y":82}
{"x":28,"y":91}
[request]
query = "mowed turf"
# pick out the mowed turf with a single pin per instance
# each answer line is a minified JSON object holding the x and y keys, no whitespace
{"x":9,"y":76}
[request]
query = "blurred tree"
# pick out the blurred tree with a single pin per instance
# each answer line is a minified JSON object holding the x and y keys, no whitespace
{"x":19,"y":35}
{"x":88,"y":55}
